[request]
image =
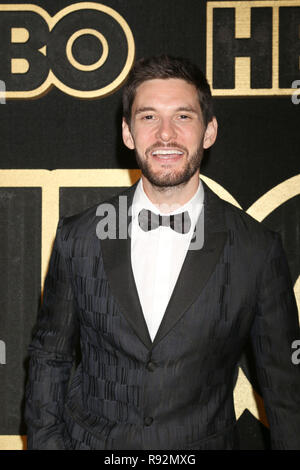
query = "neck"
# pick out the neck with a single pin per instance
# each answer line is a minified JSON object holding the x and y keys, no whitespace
{"x":169,"y":198}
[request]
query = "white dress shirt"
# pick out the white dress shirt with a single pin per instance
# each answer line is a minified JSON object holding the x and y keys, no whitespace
{"x":157,"y":256}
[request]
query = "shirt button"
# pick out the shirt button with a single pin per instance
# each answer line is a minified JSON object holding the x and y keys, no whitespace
{"x":148,"y":421}
{"x":151,"y":366}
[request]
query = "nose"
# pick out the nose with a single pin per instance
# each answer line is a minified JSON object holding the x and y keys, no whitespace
{"x":166,"y":130}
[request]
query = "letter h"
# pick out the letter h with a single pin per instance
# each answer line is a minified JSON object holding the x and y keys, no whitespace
{"x":226,"y":47}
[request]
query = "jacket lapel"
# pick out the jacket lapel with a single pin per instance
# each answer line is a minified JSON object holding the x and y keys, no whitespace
{"x":198,"y":264}
{"x":117,"y":263}
{"x":196,"y":270}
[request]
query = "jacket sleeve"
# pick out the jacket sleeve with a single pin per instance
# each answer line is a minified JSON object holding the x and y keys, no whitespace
{"x":275,"y":328}
{"x":52,"y":354}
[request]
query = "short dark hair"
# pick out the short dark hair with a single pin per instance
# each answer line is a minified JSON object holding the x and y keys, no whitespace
{"x":162,"y":67}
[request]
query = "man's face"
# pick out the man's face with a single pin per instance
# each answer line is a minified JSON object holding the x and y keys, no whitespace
{"x":167,"y":131}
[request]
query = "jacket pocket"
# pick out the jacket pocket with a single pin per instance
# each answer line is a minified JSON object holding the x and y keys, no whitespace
{"x":226,"y":439}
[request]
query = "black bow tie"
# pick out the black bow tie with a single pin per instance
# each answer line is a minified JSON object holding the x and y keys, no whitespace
{"x":181,"y":223}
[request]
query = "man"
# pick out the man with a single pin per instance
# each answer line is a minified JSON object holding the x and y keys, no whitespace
{"x":164,"y":307}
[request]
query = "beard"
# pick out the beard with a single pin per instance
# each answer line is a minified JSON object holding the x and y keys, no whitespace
{"x":170,"y":177}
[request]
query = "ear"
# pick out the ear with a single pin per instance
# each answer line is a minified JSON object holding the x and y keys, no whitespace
{"x":127,"y":136}
{"x":210,"y":133}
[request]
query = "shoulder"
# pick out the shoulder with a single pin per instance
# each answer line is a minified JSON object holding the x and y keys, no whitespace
{"x":83,"y":224}
{"x":245,"y":229}
{"x":253,"y":240}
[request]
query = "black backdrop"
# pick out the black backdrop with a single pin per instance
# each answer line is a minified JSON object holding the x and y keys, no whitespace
{"x":257,"y":149}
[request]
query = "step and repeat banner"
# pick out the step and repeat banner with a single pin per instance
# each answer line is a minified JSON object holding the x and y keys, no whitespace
{"x":62,"y":67}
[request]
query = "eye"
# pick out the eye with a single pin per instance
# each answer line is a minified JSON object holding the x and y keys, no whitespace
{"x":183,"y":117}
{"x":148,"y":117}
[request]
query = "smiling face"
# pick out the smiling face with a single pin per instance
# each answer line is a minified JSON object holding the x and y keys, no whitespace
{"x":167,"y":131}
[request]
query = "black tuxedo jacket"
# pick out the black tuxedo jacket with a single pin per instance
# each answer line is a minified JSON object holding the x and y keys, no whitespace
{"x":177,"y":391}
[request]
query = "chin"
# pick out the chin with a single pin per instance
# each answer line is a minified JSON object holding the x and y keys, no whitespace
{"x":168,"y":180}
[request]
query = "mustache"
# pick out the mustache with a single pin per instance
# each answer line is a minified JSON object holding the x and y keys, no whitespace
{"x":161,"y":145}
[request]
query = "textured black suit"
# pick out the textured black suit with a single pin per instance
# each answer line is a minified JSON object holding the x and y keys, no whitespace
{"x":177,"y":391}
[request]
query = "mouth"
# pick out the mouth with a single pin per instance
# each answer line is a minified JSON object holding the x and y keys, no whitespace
{"x":167,"y":155}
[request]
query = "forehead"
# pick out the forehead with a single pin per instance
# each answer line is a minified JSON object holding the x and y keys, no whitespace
{"x":166,"y":93}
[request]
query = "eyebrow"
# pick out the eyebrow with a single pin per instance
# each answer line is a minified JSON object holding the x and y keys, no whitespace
{"x":143,"y":110}
{"x":181,"y":108}
{"x":188,"y":109}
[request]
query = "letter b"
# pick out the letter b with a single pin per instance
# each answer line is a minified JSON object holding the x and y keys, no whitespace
{"x":14,"y":51}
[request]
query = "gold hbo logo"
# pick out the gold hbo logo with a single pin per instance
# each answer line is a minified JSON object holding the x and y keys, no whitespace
{"x":86,"y":50}
{"x":253,"y":47}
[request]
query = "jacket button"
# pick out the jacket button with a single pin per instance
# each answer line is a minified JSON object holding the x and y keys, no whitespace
{"x":148,"y":421}
{"x":151,"y":366}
